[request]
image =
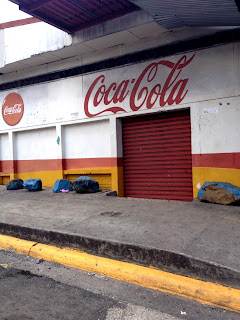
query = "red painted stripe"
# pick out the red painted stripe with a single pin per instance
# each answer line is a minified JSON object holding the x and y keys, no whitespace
{"x":217,"y":160}
{"x":21,"y":166}
{"x":91,"y":163}
{"x":6,"y":166}
{"x":18,"y":23}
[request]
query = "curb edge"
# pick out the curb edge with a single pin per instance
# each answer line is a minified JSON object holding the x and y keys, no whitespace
{"x":201,"y":291}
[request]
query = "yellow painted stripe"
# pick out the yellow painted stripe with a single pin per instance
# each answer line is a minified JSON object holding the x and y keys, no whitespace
{"x":204,"y":292}
{"x":201,"y":175}
{"x":48,"y":177}
{"x":88,"y":170}
{"x":102,"y":175}
{"x":108,"y":178}
{"x":118,"y":181}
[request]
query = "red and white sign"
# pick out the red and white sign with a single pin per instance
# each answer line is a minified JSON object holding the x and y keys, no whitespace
{"x":12,"y":109}
{"x":147,"y":90}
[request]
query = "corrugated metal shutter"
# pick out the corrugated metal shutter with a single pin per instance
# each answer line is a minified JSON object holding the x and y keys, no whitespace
{"x":157,"y":156}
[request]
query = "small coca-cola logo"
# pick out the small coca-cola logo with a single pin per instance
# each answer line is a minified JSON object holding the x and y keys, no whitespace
{"x":17,"y":108}
{"x":142,"y":91}
{"x":12,"y":109}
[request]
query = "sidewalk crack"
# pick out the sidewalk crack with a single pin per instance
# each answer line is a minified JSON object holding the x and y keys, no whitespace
{"x":32,"y":247}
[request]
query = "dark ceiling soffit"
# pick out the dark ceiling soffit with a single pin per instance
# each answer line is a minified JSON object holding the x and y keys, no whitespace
{"x":219,"y":38}
{"x":33,"y":10}
{"x":74,"y":2}
{"x":101,"y":20}
{"x":52,"y":22}
{"x":42,"y":3}
{"x":37,"y":5}
{"x":82,"y":26}
{"x":238,"y":4}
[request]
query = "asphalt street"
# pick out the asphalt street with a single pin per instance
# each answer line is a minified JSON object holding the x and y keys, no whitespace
{"x":36,"y":289}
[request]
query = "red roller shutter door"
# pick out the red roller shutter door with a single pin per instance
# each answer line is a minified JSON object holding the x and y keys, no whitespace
{"x":157,"y":158}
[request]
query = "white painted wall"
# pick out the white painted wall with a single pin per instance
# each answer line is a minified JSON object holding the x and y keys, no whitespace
{"x":35,"y":144}
{"x":49,"y":103}
{"x":212,"y":75}
{"x":87,"y":140}
{"x":236,"y":63}
{"x":213,"y":96}
{"x":4,"y":147}
{"x":215,"y":126}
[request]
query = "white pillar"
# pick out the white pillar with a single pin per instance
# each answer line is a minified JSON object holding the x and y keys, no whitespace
{"x":116,"y":154}
{"x":11,"y":153}
{"x":59,"y":141}
{"x":116,"y":138}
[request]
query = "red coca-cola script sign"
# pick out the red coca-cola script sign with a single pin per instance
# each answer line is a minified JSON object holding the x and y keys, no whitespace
{"x":12,"y":109}
{"x":171,"y":91}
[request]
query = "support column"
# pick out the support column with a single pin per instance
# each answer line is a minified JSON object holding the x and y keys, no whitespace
{"x":116,"y":154}
{"x":11,"y":154}
{"x":59,"y":141}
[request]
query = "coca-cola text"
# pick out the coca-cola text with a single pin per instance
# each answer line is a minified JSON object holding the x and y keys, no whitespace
{"x":173,"y":90}
{"x":12,"y":110}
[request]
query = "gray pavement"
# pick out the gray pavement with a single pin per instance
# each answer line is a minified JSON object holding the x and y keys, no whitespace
{"x":201,"y":231}
{"x":39,"y":291}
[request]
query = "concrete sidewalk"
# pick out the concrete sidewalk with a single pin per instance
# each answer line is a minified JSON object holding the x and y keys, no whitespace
{"x":197,"y":239}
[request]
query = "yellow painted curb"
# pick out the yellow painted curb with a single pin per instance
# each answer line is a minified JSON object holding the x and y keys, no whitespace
{"x":17,"y":245}
{"x":204,"y":292}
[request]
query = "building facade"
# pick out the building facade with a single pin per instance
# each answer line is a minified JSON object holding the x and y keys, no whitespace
{"x":154,"y":122}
